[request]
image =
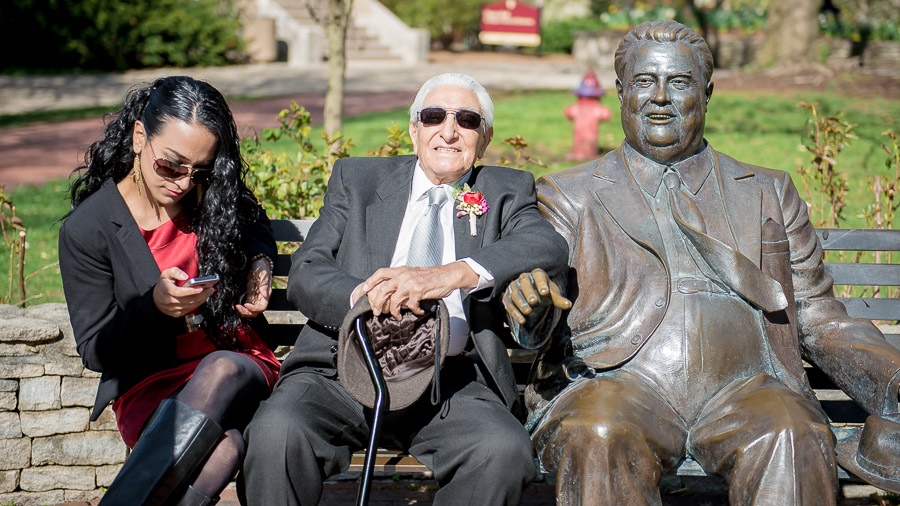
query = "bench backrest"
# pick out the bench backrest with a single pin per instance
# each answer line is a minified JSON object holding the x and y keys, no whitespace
{"x":286,"y":322}
{"x":868,"y":274}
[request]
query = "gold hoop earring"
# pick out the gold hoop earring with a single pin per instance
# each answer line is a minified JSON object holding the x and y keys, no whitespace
{"x":199,"y":193}
{"x":136,"y":174}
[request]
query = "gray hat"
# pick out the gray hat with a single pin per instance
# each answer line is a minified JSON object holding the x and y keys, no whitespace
{"x":408,"y":350}
{"x":873,"y":452}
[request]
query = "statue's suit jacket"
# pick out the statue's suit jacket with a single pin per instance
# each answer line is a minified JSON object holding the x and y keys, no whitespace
{"x":356,"y":234}
{"x":620,"y":284}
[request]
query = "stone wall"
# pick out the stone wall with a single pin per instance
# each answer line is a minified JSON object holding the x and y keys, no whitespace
{"x":49,"y":450}
{"x":598,"y":49}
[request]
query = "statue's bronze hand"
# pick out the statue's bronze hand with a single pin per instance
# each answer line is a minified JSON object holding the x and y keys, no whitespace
{"x":529,"y":291}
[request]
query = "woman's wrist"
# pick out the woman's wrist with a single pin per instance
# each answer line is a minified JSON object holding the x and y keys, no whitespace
{"x":262,"y":258}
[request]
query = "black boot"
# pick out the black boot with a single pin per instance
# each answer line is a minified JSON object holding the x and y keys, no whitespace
{"x":193,"y":497}
{"x":177,"y":440}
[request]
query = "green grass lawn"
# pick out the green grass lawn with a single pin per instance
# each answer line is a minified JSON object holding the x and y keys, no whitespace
{"x":766,"y":129}
{"x":54,"y":116}
{"x":40,"y":208}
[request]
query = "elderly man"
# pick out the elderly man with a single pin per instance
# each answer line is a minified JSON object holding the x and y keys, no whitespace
{"x":692,"y":275}
{"x":369,"y":240}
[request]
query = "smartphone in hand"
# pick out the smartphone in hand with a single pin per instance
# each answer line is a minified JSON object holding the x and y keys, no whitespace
{"x":203,"y":281}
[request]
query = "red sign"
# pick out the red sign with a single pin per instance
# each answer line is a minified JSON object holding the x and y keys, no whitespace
{"x":510,"y":23}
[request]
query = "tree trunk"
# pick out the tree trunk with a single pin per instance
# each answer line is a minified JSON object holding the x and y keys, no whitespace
{"x":791,"y":32}
{"x":336,"y":27}
{"x":707,"y":30}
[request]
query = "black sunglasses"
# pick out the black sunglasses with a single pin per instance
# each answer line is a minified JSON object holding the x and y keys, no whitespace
{"x":431,"y":116}
{"x":171,"y":170}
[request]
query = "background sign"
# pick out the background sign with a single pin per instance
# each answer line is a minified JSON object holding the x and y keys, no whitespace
{"x":510,"y":23}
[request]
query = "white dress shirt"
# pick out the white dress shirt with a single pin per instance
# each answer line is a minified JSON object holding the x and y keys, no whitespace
{"x":416,"y":209}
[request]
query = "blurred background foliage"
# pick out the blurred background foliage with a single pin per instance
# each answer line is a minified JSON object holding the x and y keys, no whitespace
{"x":52,"y":35}
{"x":862,"y":20}
{"x":446,"y":22}
{"x":86,"y":35}
{"x":455,"y":25}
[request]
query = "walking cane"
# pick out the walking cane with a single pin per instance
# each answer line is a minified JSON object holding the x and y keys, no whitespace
{"x":362,"y":498}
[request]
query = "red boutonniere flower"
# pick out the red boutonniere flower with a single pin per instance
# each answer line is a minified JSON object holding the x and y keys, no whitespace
{"x":471,"y":203}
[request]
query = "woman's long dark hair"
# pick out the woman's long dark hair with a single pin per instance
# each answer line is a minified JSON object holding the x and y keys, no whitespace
{"x":228,"y":209}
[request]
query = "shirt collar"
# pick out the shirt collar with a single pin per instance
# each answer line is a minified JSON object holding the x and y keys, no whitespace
{"x":421,"y":184}
{"x":648,"y":173}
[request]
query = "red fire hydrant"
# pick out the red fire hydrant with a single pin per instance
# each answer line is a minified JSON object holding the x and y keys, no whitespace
{"x":587,"y":113}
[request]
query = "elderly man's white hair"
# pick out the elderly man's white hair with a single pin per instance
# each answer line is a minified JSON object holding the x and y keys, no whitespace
{"x":458,"y":80}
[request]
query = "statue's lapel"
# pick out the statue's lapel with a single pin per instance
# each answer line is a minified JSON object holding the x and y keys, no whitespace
{"x":743,"y":202}
{"x":623,"y":199}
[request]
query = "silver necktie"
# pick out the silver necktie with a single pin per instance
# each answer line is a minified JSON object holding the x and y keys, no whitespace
{"x":426,"y":248}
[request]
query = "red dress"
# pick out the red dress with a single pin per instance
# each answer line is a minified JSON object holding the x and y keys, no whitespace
{"x":173,"y":244}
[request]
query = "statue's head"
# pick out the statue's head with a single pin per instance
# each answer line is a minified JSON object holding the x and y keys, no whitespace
{"x":663,"y":72}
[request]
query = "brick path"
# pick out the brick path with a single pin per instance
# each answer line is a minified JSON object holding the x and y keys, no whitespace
{"x":33,"y":154}
{"x":37,"y":153}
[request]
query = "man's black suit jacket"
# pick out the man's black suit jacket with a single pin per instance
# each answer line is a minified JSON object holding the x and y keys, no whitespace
{"x":356,"y":234}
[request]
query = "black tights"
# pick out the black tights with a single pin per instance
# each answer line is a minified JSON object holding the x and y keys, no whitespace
{"x":227,"y":387}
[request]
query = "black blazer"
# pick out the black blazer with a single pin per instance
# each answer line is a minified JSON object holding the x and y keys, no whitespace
{"x":356,"y":233}
{"x":108,"y":276}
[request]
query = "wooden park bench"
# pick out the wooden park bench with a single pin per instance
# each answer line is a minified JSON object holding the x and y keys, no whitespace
{"x":286,"y":323}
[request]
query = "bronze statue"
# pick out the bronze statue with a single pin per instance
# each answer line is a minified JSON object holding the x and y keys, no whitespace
{"x":697,"y":287}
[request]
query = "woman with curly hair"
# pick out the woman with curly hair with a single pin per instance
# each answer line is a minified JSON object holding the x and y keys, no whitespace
{"x":161,"y":199}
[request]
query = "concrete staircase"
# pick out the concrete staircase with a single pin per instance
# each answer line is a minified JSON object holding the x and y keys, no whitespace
{"x":374,"y":33}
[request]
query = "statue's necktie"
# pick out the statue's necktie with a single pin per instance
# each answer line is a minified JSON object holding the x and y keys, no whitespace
{"x":732,"y":266}
{"x":426,"y":248}
{"x":683,"y":206}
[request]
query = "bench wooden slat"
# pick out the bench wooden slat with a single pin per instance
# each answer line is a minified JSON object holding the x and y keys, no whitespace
{"x":388,"y":461}
{"x":282,"y":265}
{"x":864,"y":274}
{"x":856,"y":239}
{"x":279,"y":301}
{"x":872,"y":308}
{"x":283,"y":335}
{"x":843,"y":410}
{"x":291,"y":230}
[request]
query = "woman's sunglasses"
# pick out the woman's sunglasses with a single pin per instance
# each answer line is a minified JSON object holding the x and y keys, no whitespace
{"x":431,"y":116}
{"x":170,"y":170}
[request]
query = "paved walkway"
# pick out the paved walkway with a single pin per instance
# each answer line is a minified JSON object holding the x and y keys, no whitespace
{"x":36,"y":153}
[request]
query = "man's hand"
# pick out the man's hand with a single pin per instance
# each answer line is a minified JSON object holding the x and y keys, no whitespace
{"x":396,"y":288}
{"x":259,"y":289}
{"x":357,"y":293}
{"x":174,"y":300}
{"x":529,"y":291}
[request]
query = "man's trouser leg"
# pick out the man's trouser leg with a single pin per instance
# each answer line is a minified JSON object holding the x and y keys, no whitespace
{"x":609,"y":439}
{"x":303,"y":433}
{"x":479,"y":452}
{"x":774,"y":446}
